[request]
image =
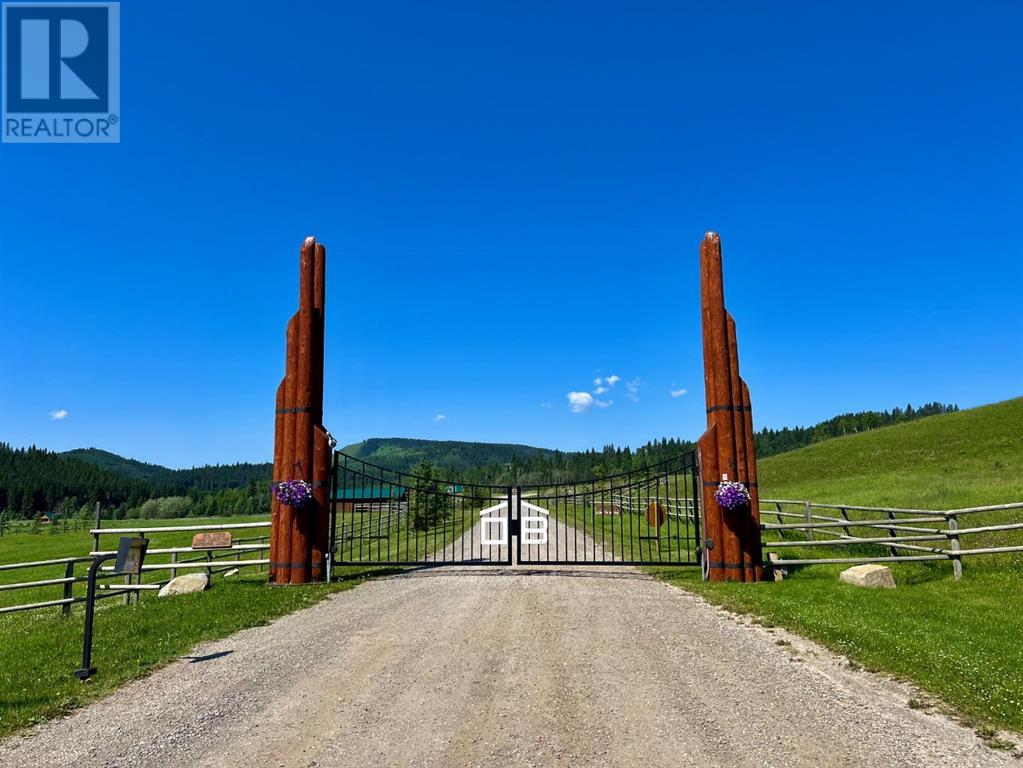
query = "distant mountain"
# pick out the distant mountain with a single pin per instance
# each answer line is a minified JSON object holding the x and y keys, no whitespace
{"x":215,"y":477}
{"x":130,"y":468}
{"x":403,"y":453}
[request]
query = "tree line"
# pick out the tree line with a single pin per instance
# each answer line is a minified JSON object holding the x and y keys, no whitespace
{"x":543,"y":469}
{"x":772,"y":441}
{"x":35,"y":481}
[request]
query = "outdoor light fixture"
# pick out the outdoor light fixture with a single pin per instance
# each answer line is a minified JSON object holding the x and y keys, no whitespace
{"x":131,"y":552}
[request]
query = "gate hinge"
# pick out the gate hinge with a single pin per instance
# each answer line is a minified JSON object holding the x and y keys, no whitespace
{"x":709,"y":543}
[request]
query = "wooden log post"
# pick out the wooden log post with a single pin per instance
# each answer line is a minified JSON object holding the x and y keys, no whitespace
{"x":734,"y":554}
{"x":301,"y":444}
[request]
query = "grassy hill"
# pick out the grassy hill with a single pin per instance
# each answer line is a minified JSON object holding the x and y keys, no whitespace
{"x":206,"y":478}
{"x":953,"y":460}
{"x":402,"y":453}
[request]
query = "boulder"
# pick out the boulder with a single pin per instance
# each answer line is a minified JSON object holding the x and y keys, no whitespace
{"x":870,"y":575}
{"x":183,"y":585}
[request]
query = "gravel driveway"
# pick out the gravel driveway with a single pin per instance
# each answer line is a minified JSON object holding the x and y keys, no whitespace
{"x":506,"y":667}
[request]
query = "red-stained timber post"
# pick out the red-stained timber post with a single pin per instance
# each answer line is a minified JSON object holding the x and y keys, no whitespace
{"x":732,"y":537}
{"x":298,"y":537}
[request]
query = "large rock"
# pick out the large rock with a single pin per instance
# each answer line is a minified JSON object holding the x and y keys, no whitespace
{"x":183,"y":585}
{"x":871,"y":575}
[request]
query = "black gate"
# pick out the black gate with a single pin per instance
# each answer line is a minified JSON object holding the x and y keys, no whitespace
{"x":383,"y":517}
{"x":648,"y":516}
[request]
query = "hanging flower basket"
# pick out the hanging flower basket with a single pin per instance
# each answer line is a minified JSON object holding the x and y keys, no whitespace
{"x":293,"y":493}
{"x":731,"y":496}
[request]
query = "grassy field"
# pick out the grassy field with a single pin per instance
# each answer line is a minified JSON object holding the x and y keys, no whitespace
{"x":39,"y":650}
{"x":958,"y":640}
{"x":31,"y":547}
{"x":956,"y":460}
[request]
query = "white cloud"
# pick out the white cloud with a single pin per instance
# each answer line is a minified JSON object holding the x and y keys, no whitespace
{"x":598,"y":381}
{"x":578,"y":402}
{"x":600,"y":390}
{"x":612,"y":380}
{"x":632,"y":389}
{"x":678,"y":392}
{"x":58,"y":415}
{"x":439,"y":417}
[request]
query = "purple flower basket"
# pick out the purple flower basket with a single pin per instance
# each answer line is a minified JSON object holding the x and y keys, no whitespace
{"x":731,"y":495}
{"x":293,"y":493}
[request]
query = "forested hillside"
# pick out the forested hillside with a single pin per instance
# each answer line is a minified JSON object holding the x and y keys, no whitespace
{"x":402,"y":453}
{"x":216,"y":477}
{"x":33,"y":480}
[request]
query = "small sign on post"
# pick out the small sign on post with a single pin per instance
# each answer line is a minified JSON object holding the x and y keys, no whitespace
{"x":131,"y":551}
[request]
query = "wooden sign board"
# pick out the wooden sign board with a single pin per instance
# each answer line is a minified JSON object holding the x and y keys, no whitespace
{"x":212,"y":540}
{"x":655,"y":514}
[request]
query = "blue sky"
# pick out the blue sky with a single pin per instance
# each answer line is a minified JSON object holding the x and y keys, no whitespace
{"x":512,"y":197}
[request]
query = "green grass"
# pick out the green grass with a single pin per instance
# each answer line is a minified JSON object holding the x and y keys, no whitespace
{"x":959,"y":641}
{"x":398,"y":541}
{"x":966,"y":459}
{"x":39,"y":650}
{"x":30,"y":547}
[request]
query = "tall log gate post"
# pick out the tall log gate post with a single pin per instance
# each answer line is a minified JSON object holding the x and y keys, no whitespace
{"x":302,"y":447}
{"x":726,"y":450}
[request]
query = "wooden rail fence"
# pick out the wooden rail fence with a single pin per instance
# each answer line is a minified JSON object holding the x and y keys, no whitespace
{"x":885,"y":534}
{"x":179,"y":558}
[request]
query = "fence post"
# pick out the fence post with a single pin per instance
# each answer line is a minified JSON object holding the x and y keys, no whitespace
{"x":174,"y":571}
{"x":845,"y":516}
{"x":95,"y":525}
{"x":126,"y":600}
{"x":808,"y":514}
{"x":957,"y":561}
{"x":777,"y":506}
{"x":891,"y":531}
{"x":69,"y":573}
{"x":209,"y":571}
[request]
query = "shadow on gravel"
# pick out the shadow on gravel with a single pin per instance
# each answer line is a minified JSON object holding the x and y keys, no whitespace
{"x":576,"y":572}
{"x":207,"y":657}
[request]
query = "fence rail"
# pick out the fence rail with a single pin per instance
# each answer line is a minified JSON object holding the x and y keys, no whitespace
{"x":895,"y":534}
{"x":213,"y":561}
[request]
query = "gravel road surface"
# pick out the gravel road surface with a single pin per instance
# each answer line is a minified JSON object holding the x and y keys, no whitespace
{"x":518,"y":666}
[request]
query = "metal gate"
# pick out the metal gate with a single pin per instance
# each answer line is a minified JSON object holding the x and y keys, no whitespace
{"x":649,"y":516}
{"x":383,"y":517}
